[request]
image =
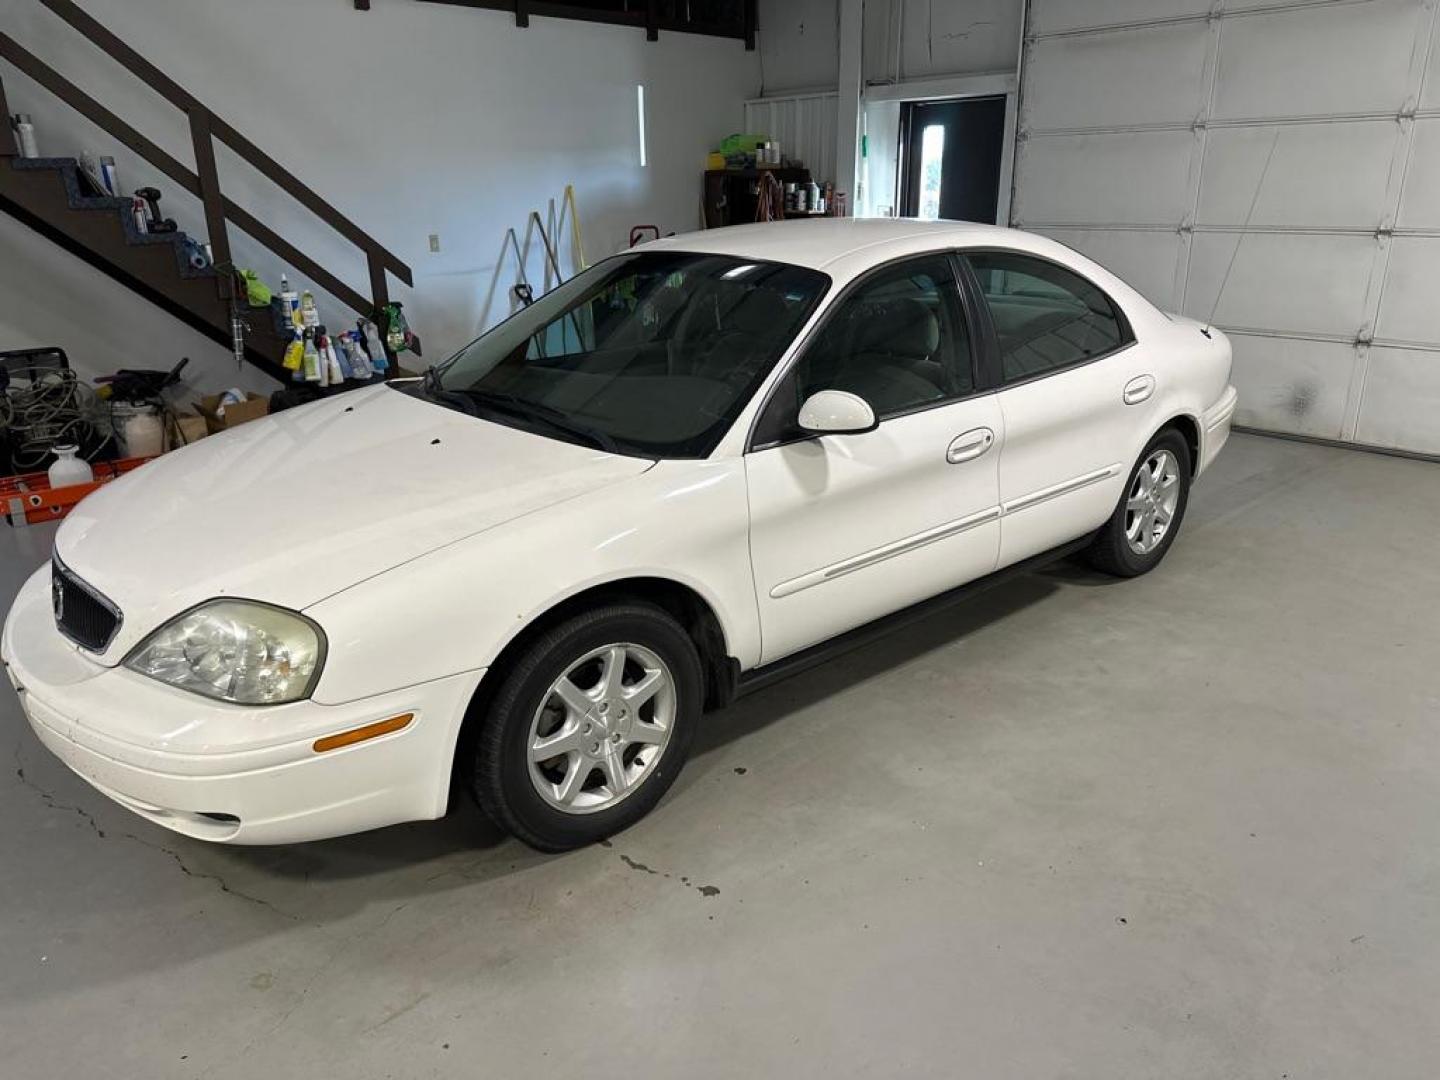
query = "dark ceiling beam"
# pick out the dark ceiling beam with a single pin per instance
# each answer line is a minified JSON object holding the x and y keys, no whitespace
{"x":648,"y":19}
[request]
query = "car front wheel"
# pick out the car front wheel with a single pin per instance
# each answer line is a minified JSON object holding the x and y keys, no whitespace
{"x":1145,"y":522}
{"x":589,"y":727}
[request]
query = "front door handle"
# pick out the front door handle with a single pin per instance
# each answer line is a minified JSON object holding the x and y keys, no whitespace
{"x":1139,"y":389}
{"x":969,"y":446}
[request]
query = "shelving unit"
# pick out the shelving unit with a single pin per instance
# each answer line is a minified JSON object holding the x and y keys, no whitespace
{"x":729,"y":199}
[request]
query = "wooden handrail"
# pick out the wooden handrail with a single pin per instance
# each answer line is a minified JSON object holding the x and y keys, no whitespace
{"x":102,"y":117}
{"x":205,"y":127}
{"x":182,"y":99}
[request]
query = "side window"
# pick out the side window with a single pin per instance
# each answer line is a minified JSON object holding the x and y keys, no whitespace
{"x":899,"y":341}
{"x":1046,"y":317}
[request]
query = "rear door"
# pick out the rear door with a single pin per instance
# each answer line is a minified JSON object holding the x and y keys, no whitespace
{"x":1072,"y":390}
{"x":847,"y":528}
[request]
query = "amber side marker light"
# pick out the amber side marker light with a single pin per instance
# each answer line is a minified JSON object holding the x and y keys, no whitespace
{"x":360,"y":734}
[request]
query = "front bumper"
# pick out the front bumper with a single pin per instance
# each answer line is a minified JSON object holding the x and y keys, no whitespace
{"x":229,"y":773}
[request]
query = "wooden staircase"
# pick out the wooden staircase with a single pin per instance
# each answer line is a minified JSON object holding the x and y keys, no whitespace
{"x":49,"y":195}
{"x":45,"y":193}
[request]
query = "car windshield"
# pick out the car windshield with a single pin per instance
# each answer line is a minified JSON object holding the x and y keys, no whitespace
{"x":648,"y":353}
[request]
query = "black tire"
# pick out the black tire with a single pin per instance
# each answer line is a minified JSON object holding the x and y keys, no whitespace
{"x":1110,"y":551}
{"x":500,"y":772}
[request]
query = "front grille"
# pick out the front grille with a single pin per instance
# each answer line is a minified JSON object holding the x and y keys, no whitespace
{"x":81,"y":613}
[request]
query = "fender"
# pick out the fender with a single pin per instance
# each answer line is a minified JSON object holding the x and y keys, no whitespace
{"x":483,"y":591}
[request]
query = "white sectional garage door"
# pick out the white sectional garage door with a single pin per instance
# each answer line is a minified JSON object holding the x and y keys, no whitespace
{"x":1289,"y":150}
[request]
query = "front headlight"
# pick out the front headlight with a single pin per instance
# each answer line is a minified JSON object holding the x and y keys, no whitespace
{"x":237,"y":651}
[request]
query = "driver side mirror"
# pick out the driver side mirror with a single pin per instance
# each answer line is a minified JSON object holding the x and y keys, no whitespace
{"x":837,"y":412}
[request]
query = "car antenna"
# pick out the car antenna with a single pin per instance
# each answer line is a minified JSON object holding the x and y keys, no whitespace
{"x":1244,"y":229}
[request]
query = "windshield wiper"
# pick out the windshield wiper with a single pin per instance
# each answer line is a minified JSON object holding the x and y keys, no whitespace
{"x":435,"y":389}
{"x":534,"y":410}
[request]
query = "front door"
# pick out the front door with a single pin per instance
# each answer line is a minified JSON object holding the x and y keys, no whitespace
{"x":847,"y":528}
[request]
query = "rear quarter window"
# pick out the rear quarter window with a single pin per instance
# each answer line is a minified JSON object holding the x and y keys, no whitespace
{"x":1046,"y":317}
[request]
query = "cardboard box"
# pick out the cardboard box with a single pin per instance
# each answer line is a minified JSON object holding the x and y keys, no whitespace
{"x":184,"y":430}
{"x":236,"y":413}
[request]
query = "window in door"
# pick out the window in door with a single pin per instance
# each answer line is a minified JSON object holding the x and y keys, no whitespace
{"x":899,"y":340}
{"x":1046,"y":317}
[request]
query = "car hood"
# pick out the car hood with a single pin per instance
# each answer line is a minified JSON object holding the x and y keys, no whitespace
{"x":303,"y":504}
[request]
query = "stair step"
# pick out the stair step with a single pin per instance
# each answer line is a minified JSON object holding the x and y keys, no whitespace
{"x":68,"y":169}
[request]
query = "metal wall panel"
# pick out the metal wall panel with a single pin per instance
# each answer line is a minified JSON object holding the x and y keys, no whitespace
{"x":1275,"y":162}
{"x":1115,"y":80}
{"x":805,"y":126}
{"x":1291,"y":385}
{"x":1402,"y":401}
{"x":1059,"y":16}
{"x":1143,"y":258}
{"x":799,"y":45}
{"x":1325,"y":60}
{"x":919,"y":39}
{"x":1134,"y":178}
{"x":1321,"y":175}
{"x":1410,"y":307}
{"x":1420,"y":203}
{"x":1306,"y":283}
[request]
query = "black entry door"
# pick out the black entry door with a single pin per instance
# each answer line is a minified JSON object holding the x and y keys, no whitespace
{"x":951,"y":154}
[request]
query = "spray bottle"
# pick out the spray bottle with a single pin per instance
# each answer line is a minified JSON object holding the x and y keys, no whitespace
{"x":342,"y":357}
{"x":359,"y":362}
{"x":397,"y":335}
{"x":290,"y":301}
{"x":312,"y":359}
{"x":333,"y":375}
{"x":378,"y":360}
{"x":295,"y":353}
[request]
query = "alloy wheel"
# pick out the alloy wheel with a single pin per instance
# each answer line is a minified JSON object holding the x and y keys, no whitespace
{"x":601,"y":728}
{"x":1150,"y":507}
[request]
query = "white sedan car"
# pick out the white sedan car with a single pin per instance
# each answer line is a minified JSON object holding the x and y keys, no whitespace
{"x":693,"y":467}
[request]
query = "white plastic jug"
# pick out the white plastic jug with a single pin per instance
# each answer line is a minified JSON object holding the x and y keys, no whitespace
{"x":68,"y":469}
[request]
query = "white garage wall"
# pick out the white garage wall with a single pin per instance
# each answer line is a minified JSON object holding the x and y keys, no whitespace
{"x":1275,"y":163}
{"x":411,"y":119}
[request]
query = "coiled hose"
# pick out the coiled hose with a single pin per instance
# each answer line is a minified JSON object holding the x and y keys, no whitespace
{"x":52,"y":409}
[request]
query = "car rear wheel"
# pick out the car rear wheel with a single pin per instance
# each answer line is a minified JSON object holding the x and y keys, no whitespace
{"x":589,"y":727}
{"x":1150,"y":511}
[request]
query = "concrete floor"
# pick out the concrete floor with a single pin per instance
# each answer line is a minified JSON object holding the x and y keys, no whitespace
{"x":1186,"y":826}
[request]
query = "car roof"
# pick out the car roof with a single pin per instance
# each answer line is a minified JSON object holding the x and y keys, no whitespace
{"x":821,"y":242}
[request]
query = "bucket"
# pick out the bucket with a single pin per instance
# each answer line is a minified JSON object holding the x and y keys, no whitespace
{"x":138,"y":429}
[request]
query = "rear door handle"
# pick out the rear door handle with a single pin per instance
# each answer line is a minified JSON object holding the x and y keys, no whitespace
{"x":969,"y":446}
{"x":1139,"y":389}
